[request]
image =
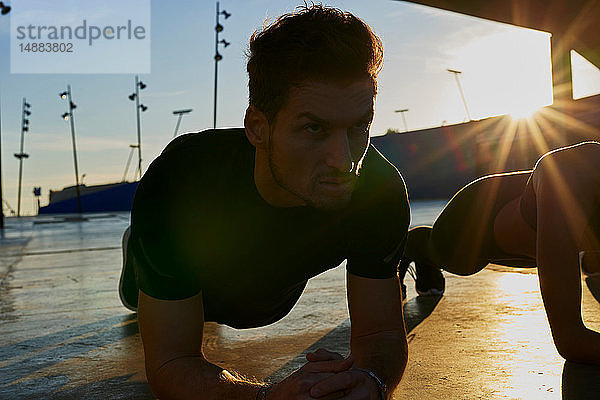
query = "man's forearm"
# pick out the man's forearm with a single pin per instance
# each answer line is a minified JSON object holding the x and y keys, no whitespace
{"x":384,"y":353}
{"x":192,"y":377}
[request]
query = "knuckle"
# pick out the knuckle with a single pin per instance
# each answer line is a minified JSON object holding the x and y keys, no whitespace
{"x":321,"y":351}
{"x":304,"y":385}
{"x":348,"y":379}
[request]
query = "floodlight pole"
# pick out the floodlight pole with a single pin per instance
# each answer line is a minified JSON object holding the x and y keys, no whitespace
{"x":72,"y":123}
{"x":180,"y":114}
{"x":1,"y":198}
{"x":404,"y":110}
{"x":135,"y":96}
{"x":462,"y":94}
{"x":139,"y":130}
{"x":21,"y":155}
{"x":561,"y":44}
{"x":5,"y":10}
{"x":218,"y":57}
{"x":132,"y":147}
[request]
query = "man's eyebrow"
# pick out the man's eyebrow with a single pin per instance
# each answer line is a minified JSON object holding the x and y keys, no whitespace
{"x":312,"y":116}
{"x":366,"y":116}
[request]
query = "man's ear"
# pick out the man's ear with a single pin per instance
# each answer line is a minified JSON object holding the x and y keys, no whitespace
{"x":257,"y":127}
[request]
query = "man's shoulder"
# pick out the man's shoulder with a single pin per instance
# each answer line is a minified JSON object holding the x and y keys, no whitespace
{"x":210,"y":151}
{"x":380,"y":175}
{"x":379,"y":219}
{"x":194,"y":160}
{"x":381,"y":191}
{"x":209,"y":141}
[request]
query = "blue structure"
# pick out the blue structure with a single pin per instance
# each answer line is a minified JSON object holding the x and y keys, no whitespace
{"x":101,"y":198}
{"x":437,"y":162}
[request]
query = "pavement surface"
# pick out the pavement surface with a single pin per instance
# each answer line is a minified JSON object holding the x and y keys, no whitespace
{"x":65,"y":335}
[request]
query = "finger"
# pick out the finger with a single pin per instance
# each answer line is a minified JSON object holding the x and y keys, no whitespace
{"x":329,"y":366}
{"x":299,"y":383}
{"x":358,"y":393}
{"x":310,"y":379}
{"x":343,"y":381}
{"x":333,"y":396}
{"x":323,"y":355}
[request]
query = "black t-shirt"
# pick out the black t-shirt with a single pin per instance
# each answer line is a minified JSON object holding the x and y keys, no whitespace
{"x":200,"y":224}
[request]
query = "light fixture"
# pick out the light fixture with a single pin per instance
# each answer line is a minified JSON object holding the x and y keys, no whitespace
{"x":180,"y":114}
{"x":65,"y":116}
{"x":186,"y":111}
{"x":73,"y":106}
{"x":132,"y":96}
{"x":5,"y":8}
{"x":63,"y":95}
{"x":142,"y":85}
{"x":143,"y":107}
{"x":225,"y":42}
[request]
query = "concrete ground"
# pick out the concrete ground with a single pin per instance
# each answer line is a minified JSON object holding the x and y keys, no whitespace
{"x":65,"y":335}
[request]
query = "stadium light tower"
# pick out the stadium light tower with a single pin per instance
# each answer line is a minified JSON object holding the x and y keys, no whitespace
{"x":180,"y":114}
{"x":404,"y":110}
{"x":218,"y":56}
{"x":462,"y":94}
{"x":68,"y":116}
{"x":21,"y":155}
{"x":135,"y":96}
{"x":4,"y":9}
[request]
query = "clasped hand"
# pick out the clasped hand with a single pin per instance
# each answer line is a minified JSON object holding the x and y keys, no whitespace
{"x":326,"y":376}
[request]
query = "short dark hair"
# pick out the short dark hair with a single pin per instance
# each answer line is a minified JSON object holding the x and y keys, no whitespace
{"x":312,"y":43}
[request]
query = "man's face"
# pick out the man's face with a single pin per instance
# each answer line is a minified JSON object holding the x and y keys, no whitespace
{"x":318,"y":141}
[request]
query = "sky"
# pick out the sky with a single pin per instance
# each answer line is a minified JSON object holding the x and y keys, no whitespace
{"x":505,"y":69}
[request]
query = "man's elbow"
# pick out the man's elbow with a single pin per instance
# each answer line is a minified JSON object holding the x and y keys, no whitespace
{"x":402,"y":355}
{"x":576,"y":353}
{"x":163,"y":379}
{"x":573,"y":354}
{"x":156,"y":380}
{"x":581,"y":348}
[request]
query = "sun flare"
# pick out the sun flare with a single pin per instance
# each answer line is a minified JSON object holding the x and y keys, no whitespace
{"x":525,"y":111}
{"x":506,"y":72}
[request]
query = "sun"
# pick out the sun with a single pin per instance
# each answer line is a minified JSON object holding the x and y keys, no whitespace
{"x":506,"y":72}
{"x":525,"y":111}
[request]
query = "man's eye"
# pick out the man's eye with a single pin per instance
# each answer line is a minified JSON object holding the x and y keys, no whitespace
{"x":313,"y":128}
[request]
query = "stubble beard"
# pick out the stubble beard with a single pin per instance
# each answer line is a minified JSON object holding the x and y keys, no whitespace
{"x":312,"y":199}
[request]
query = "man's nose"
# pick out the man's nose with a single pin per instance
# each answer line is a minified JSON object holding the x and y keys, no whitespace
{"x":339,"y":153}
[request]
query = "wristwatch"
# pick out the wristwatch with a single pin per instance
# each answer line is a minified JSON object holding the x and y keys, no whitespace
{"x":382,"y":387}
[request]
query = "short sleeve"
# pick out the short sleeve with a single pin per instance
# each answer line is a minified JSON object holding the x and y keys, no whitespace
{"x":157,"y":235}
{"x":378,"y":223}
